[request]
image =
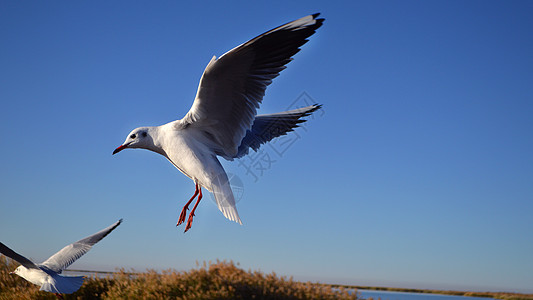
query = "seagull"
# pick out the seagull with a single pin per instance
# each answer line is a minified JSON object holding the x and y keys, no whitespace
{"x":47,"y":274}
{"x":223,"y":119}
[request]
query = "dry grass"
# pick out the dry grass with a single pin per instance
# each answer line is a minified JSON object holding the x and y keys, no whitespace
{"x":220,"y":280}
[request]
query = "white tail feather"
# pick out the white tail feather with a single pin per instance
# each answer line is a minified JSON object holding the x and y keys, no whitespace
{"x":224,"y":197}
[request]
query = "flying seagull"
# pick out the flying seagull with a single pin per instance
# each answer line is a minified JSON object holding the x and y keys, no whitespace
{"x":222,"y":120}
{"x":47,"y":274}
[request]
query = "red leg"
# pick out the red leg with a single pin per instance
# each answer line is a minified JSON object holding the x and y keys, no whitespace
{"x":186,"y":207}
{"x":189,"y":222}
{"x":58,"y":295}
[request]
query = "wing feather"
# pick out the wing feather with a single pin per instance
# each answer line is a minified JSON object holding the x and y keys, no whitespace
{"x":70,"y":253}
{"x":232,"y":86}
{"x":267,"y":127}
{"x":5,"y":250}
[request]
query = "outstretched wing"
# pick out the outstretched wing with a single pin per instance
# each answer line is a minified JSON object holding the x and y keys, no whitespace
{"x":69,"y":254}
{"x":233,"y":86}
{"x":267,"y":127}
{"x":17,"y":257}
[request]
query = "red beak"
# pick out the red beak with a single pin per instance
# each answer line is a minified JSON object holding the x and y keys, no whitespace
{"x":120,"y":148}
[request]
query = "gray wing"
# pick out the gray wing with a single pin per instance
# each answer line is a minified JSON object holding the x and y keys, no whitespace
{"x":5,"y":250}
{"x":69,"y":254}
{"x":233,"y":86}
{"x":267,"y":127}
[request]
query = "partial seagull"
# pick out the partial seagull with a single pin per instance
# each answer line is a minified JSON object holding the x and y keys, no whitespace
{"x":47,"y":274}
{"x":222,"y":120}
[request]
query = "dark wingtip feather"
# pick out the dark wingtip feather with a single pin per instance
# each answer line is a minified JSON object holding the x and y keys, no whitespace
{"x":316,"y":107}
{"x":319,"y":21}
{"x":111,"y":229}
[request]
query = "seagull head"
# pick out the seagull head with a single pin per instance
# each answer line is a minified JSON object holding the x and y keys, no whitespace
{"x":19,"y":271}
{"x":138,"y":138}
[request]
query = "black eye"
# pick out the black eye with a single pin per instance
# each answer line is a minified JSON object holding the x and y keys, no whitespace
{"x":144,"y":133}
{"x":132,"y":136}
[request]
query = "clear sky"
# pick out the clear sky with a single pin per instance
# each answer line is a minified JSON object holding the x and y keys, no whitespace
{"x":418,"y":172}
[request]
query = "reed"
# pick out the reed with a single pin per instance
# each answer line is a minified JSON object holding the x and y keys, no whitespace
{"x":219,"y":280}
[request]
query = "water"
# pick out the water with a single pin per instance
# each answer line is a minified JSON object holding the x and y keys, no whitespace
{"x":383,"y":295}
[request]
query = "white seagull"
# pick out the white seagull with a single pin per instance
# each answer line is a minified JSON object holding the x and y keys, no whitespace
{"x":222,"y":120}
{"x":47,"y":274}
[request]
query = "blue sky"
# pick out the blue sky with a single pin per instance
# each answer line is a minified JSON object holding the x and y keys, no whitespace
{"x":418,"y":172}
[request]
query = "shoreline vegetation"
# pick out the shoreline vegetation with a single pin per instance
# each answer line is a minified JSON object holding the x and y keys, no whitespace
{"x":219,"y":280}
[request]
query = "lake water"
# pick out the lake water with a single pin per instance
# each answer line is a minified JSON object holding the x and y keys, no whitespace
{"x":383,"y":295}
